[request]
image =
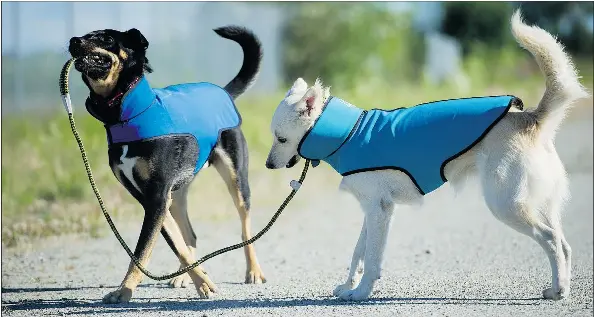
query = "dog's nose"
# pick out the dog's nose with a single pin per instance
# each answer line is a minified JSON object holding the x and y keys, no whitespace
{"x":269,"y":165}
{"x":75,"y":46}
{"x":75,"y":41}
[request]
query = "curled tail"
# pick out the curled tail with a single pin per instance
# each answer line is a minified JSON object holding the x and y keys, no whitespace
{"x":252,"y":58}
{"x":562,"y":82}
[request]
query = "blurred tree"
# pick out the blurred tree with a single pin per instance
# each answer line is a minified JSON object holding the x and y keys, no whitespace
{"x":487,"y":23}
{"x":346,"y":44}
{"x":475,"y":23}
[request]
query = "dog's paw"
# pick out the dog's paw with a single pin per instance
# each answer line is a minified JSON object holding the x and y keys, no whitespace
{"x":550,"y":293}
{"x":205,"y":287}
{"x":254,"y":276}
{"x":121,"y":295}
{"x":206,"y":290}
{"x":180,"y":281}
{"x":342,"y":288}
{"x":356,"y":294}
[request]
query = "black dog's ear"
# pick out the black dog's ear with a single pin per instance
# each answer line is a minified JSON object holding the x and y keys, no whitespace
{"x":135,"y":40}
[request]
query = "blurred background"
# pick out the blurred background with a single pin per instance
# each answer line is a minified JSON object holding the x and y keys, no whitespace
{"x":375,"y":54}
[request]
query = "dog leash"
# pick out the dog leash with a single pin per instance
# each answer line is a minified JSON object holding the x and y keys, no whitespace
{"x":295,"y":185}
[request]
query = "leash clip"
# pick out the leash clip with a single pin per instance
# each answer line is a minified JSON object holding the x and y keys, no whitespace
{"x":295,"y":185}
{"x":67,"y":103}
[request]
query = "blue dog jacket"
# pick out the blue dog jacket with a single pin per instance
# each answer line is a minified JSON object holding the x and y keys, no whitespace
{"x":202,"y":110}
{"x":418,"y":141}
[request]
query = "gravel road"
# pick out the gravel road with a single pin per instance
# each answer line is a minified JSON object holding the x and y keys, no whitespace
{"x":448,"y":258}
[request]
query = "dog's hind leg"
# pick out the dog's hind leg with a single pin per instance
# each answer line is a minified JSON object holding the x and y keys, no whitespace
{"x":356,"y":269}
{"x":529,"y":203}
{"x":558,"y":251}
{"x":551,"y":239}
{"x":231,"y":161}
{"x":555,"y":240}
{"x":179,"y":211}
{"x":174,"y":237}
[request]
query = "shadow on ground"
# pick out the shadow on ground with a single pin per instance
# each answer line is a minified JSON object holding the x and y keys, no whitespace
{"x":95,"y":306}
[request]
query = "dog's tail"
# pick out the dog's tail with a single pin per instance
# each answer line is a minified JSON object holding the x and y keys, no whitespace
{"x":562,"y":82}
{"x":252,"y":58}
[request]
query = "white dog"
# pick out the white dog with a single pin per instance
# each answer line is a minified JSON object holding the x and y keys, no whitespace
{"x":523,"y":180}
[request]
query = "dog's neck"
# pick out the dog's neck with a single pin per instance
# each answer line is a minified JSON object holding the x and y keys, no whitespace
{"x":330,"y":130}
{"x":108,"y":110}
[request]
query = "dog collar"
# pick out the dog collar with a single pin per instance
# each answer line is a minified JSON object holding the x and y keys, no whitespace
{"x":118,"y":97}
{"x":111,"y":102}
{"x":330,"y":131}
{"x":136,"y":100}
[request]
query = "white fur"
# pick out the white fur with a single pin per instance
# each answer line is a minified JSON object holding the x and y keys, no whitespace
{"x":127,"y":167}
{"x":523,"y":180}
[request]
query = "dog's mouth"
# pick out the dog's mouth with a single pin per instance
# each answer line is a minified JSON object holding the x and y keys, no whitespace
{"x":96,"y":66}
{"x":292,"y":161}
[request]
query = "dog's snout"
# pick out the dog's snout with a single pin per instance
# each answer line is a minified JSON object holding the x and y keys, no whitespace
{"x":269,"y":165}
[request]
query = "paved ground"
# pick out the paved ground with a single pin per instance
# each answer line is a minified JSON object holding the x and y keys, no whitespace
{"x":448,"y":258}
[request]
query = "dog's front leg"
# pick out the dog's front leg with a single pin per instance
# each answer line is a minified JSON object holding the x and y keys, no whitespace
{"x":378,"y":217}
{"x":356,"y":264}
{"x":155,"y":209}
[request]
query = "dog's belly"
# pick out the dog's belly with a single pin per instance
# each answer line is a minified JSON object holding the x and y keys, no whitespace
{"x":138,"y":173}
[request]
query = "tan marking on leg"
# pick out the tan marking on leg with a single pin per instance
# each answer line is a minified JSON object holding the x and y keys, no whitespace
{"x":225,"y":168}
{"x":179,"y":212}
{"x":143,"y":169}
{"x":134,"y":276}
{"x":202,"y":282}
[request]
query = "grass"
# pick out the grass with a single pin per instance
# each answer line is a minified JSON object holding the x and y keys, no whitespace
{"x":45,"y":190}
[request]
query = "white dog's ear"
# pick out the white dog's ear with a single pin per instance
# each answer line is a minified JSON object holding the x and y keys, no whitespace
{"x":308,"y":104}
{"x":298,"y":86}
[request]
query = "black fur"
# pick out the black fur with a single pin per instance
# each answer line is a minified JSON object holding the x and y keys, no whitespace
{"x":171,"y":158}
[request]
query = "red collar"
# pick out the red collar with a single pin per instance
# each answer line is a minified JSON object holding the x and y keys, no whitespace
{"x":118,"y":97}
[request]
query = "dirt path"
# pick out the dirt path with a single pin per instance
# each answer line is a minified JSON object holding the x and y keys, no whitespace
{"x":448,"y":258}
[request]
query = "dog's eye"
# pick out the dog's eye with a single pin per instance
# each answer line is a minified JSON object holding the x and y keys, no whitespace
{"x":281,"y":140}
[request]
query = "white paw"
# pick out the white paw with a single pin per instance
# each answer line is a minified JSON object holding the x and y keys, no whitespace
{"x":550,"y":293}
{"x":359,"y":293}
{"x":180,"y":281}
{"x":343,"y":288}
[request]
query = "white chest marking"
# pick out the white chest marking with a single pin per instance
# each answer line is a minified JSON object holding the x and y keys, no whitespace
{"x":127,"y":166}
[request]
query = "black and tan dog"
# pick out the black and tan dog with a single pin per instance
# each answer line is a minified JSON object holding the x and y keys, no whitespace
{"x":158,"y":170}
